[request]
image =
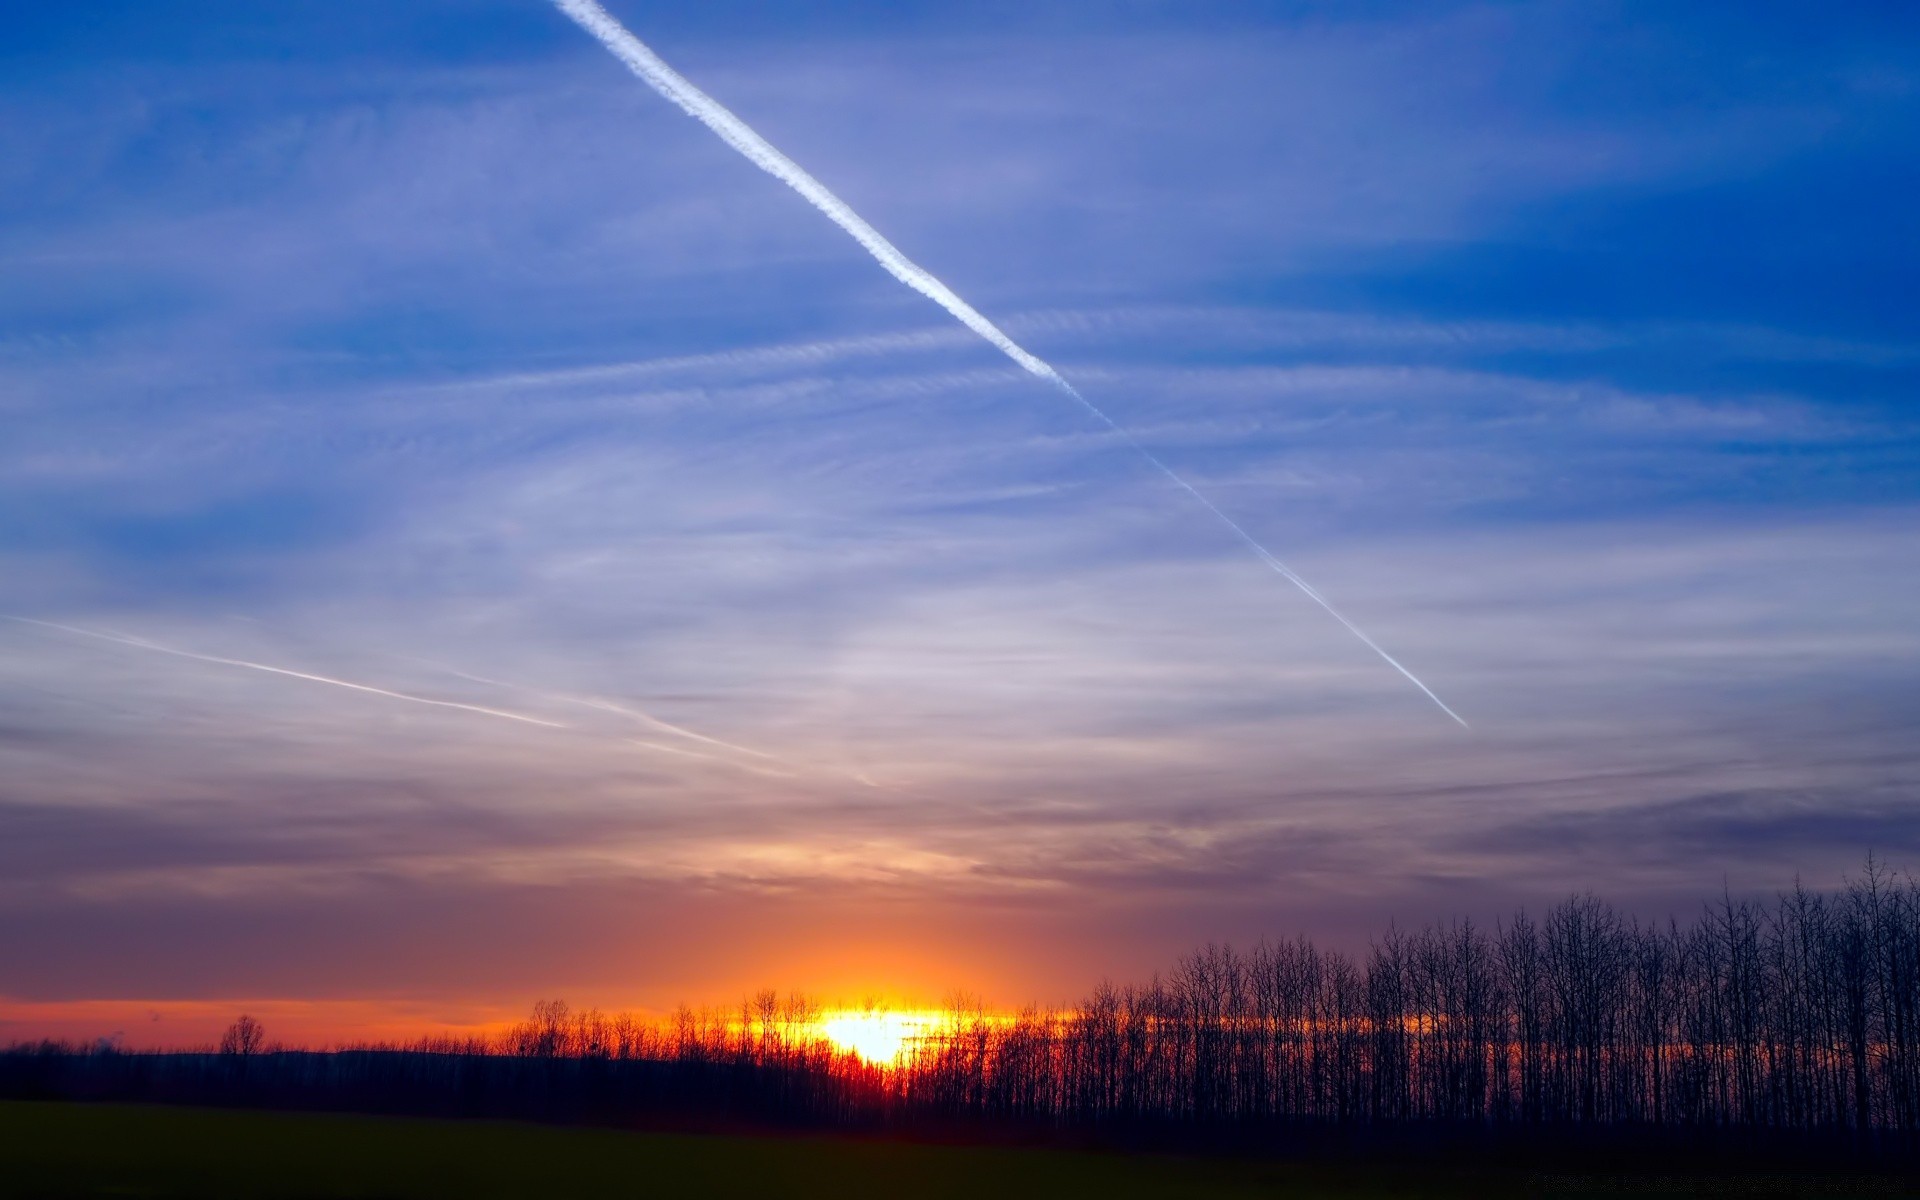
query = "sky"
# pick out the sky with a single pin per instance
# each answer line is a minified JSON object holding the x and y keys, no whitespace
{"x":720,"y":614}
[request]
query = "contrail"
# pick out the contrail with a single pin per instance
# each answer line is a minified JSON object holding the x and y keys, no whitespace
{"x":645,"y":718}
{"x":735,"y":132}
{"x":156,"y":647}
{"x":481,"y":709}
{"x":683,"y":752}
{"x":668,"y":726}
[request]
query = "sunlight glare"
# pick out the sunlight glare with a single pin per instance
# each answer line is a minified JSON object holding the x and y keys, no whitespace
{"x":879,"y":1038}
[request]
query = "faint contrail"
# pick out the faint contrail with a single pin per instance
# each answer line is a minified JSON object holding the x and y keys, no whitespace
{"x":156,"y":647}
{"x":735,"y":132}
{"x":645,"y":718}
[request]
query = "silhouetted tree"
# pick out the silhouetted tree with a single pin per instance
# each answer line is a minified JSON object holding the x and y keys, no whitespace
{"x":243,"y":1038}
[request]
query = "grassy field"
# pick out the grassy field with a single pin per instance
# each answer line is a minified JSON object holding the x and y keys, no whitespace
{"x":57,"y":1150}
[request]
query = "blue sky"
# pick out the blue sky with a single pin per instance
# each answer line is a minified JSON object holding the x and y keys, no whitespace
{"x":1570,"y":348}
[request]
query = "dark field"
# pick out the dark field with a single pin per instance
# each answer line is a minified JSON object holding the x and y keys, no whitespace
{"x":125,"y":1150}
{"x":52,"y":1149}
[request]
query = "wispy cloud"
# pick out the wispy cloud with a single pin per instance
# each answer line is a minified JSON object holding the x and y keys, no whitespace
{"x":307,"y":367}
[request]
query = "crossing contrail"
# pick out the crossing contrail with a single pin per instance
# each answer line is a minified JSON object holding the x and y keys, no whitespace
{"x":157,"y":648}
{"x":735,"y":132}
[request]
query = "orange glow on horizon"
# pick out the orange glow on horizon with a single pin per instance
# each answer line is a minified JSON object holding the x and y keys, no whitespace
{"x":877,"y":1034}
{"x":173,"y":1024}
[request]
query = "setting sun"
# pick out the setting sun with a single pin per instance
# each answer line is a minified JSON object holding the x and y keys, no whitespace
{"x":879,"y":1038}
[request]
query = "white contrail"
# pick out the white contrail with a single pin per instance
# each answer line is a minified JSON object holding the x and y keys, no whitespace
{"x":156,"y":647}
{"x":645,"y":718}
{"x":683,"y":752}
{"x":481,"y":709}
{"x":735,"y":132}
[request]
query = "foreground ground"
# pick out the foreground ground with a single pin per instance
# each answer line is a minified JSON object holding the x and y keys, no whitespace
{"x":62,"y":1150}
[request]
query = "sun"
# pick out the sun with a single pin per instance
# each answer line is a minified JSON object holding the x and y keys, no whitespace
{"x":879,"y":1038}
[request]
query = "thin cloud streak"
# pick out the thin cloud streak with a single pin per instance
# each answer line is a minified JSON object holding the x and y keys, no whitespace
{"x":644,"y":63}
{"x":645,"y":718}
{"x":481,"y":709}
{"x":143,"y":644}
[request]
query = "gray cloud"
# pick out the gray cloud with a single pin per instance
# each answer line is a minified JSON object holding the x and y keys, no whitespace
{"x":1779,"y":827}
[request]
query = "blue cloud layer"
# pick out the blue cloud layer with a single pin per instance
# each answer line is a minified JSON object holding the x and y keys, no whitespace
{"x":430,"y":352}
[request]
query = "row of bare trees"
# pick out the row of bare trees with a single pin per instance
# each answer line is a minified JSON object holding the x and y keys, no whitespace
{"x":1798,"y":1016}
{"x":1801,"y":1014}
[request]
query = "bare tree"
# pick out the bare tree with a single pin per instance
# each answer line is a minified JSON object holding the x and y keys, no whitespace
{"x":244,"y":1038}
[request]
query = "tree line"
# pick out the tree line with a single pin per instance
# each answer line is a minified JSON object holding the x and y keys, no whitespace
{"x":1797,"y":1017}
{"x":1802,"y":1014}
